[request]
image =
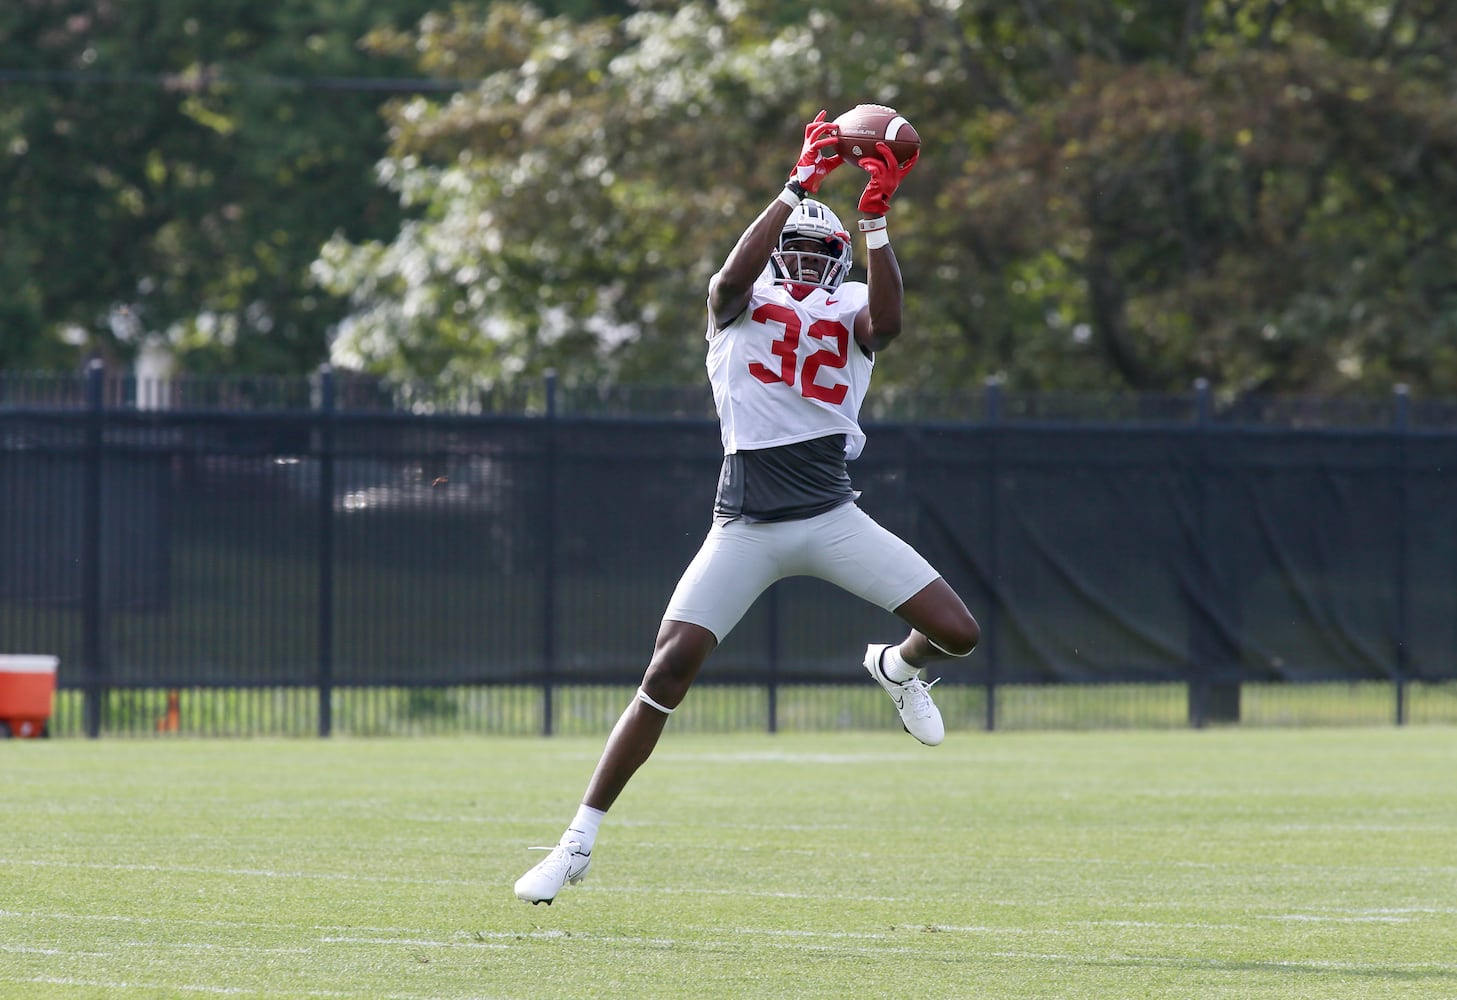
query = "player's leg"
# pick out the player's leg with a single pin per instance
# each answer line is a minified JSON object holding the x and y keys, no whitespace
{"x":736,"y":562}
{"x":899,"y":668}
{"x":937,"y":610}
{"x":733,"y":566}
{"x":868,"y":560}
{"x":854,"y":552}
{"x":678,"y":654}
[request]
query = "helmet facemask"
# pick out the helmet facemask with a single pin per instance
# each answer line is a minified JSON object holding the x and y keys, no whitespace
{"x":813,"y":250}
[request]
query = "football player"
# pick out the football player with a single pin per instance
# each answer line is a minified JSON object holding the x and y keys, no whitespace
{"x":791,"y":347}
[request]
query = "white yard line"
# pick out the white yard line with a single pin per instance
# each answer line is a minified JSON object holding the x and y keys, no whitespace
{"x":172,"y":989}
{"x":20,"y":949}
{"x":159,"y":989}
{"x":243,"y":872}
{"x":1238,"y":965}
{"x":1316,"y":918}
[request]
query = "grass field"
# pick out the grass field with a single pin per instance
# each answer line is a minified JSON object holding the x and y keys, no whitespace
{"x":1239,"y":863}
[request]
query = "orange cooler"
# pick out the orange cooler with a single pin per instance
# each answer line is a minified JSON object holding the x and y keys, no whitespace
{"x":27,"y":684}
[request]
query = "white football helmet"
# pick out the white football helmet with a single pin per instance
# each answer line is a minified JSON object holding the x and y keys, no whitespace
{"x":814,"y":248}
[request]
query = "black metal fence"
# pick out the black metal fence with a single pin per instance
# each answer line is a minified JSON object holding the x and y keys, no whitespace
{"x":341,"y":547}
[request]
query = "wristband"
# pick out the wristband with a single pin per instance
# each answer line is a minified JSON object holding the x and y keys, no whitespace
{"x":877,"y":238}
{"x":792,"y":194}
{"x":870,"y":225}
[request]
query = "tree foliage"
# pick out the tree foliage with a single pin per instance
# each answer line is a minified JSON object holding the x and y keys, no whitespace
{"x":170,"y":169}
{"x":1113,"y":194}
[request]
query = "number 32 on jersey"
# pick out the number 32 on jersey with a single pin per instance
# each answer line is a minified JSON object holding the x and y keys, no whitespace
{"x":786,"y":349}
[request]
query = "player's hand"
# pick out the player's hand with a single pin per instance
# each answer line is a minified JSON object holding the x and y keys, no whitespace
{"x":818,"y":157}
{"x":885,"y":176}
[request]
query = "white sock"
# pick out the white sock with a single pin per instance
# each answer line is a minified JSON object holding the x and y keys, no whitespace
{"x":583,"y":828}
{"x":895,"y":667}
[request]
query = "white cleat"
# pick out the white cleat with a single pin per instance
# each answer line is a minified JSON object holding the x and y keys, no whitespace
{"x":919,"y":714}
{"x":567,"y":864}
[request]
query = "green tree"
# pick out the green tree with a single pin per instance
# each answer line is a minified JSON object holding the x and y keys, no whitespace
{"x":1264,"y":199}
{"x":569,"y":212}
{"x":1112,"y":195}
{"x":170,"y":169}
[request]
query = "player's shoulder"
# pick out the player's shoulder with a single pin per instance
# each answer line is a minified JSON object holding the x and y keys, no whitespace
{"x":852,"y":292}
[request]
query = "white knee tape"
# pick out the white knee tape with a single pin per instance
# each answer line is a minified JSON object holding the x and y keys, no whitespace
{"x":945,"y":650}
{"x":647,"y":699}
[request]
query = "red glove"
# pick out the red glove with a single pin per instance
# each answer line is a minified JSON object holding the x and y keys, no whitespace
{"x":885,"y":177}
{"x":814,"y":164}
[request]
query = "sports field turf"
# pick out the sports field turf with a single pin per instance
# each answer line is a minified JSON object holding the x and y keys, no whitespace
{"x":1236,"y":863}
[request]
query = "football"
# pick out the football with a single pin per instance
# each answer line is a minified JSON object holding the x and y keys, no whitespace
{"x":866,"y":124}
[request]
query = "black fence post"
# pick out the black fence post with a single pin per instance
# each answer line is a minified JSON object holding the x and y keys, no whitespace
{"x":1199,"y":684}
{"x":1210,"y":698}
{"x":548,"y":558}
{"x":994,"y":612}
{"x":93,"y":588}
{"x":1402,"y":419}
{"x":326,"y":550}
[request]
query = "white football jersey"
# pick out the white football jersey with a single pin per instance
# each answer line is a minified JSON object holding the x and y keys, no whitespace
{"x":789,"y":370}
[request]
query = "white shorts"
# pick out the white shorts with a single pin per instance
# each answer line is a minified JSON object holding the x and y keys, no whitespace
{"x":739,"y":560}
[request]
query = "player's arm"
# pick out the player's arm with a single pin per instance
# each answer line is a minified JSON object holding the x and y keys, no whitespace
{"x":730,"y":288}
{"x":880,"y":321}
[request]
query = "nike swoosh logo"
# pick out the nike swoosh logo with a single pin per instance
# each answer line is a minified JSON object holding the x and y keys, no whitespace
{"x":899,"y":699}
{"x":829,"y":302}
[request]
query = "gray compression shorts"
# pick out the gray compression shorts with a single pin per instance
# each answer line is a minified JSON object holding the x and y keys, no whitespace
{"x":844,"y":546}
